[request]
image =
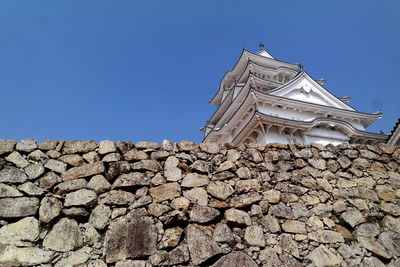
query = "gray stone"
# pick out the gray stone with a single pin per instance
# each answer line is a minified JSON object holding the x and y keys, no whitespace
{"x":147,"y":165}
{"x":64,"y":236}
{"x":157,"y":210}
{"x":392,"y":224}
{"x":245,"y":200}
{"x":235,"y":259}
{"x":322,"y":256}
{"x":50,"y":208}
{"x":272,"y":196}
{"x":226,"y":166}
{"x":141,"y":201}
{"x":74,"y":160}
{"x":84,"y":171}
{"x":270,"y":223}
{"x":289,"y":245}
{"x":222,"y":233}
{"x":201,"y":166}
{"x":100,"y":216}
{"x":194,"y":180}
{"x":12,"y":175}
{"x":130,"y":236}
{"x":56,"y":166}
{"x":9,"y":191}
{"x":243,"y":186}
{"x":165,"y":192}
{"x":254,"y":236}
{"x":362,"y":192}
{"x":21,"y":233}
{"x":49,"y":180}
{"x":374,"y":246}
{"x":116,"y":197}
{"x":68,"y":186}
{"x":96,"y":263}
{"x":6,"y":146}
{"x":353,"y":217}
{"x":179,"y":255}
{"x":38,"y":156}
{"x":17,"y":160}
{"x":173,"y":174}
{"x":106,"y":147}
{"x":112,"y":157}
{"x":135,"y":154}
{"x":131,"y":180}
{"x":48,"y":144}
{"x":131,"y":263}
{"x":391,"y":241}
{"x":34,"y":170}
{"x":79,"y":146}
{"x":371,"y":262}
{"x":15,"y":256}
{"x":201,"y":246}
{"x":26,"y":145}
{"x":197,"y":196}
{"x":75,"y":258}
{"x":171,"y":237}
{"x":75,"y":213}
{"x":281,"y":210}
{"x":237,"y":217}
{"x":18,"y":207}
{"x":202,"y":214}
{"x":146,"y":145}
{"x":368,"y":230}
{"x":317,"y":163}
{"x":326,"y":236}
{"x":31,"y":189}
{"x":269,"y":258}
{"x":220,"y":190}
{"x":82,"y":197}
{"x":99,"y":184}
{"x":391,"y":208}
{"x":91,"y":157}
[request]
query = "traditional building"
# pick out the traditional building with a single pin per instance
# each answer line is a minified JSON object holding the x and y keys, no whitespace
{"x":266,"y":100}
{"x":394,"y":137}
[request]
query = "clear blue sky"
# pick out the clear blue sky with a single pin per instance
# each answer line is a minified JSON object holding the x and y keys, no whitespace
{"x":145,"y":70}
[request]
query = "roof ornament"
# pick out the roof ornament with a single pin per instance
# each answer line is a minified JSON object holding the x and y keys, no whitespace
{"x":261,"y":46}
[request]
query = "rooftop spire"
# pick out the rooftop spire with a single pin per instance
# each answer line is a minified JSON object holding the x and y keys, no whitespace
{"x":264,"y":52}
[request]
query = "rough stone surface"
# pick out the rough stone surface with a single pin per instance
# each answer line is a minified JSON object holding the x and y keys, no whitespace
{"x":84,"y":171}
{"x":165,"y":192}
{"x":64,"y":236}
{"x":78,"y":146}
{"x":17,"y":256}
{"x":235,"y":259}
{"x":50,"y":208}
{"x":18,"y":207}
{"x":22,"y":233}
{"x":201,"y":214}
{"x":6,"y":146}
{"x":12,"y":175}
{"x":130,"y":236}
{"x":322,"y":256}
{"x":185,"y":204}
{"x":254,"y":236}
{"x":201,"y":246}
{"x":82,"y":197}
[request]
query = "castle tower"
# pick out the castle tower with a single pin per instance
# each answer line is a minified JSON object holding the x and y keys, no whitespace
{"x":266,"y":100}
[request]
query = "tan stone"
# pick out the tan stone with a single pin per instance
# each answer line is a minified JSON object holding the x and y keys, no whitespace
{"x":83,"y":171}
{"x":165,"y":192}
{"x":296,"y":227}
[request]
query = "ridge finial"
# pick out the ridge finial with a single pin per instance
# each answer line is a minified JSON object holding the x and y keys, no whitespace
{"x":261,"y":46}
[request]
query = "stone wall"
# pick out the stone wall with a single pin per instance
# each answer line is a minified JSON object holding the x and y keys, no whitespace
{"x":79,"y":203}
